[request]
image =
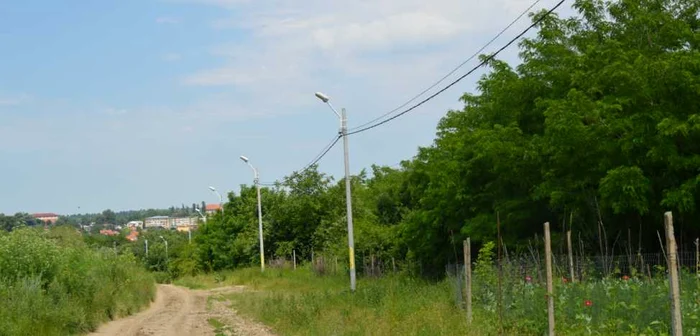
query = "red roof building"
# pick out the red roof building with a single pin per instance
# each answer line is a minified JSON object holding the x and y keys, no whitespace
{"x":133,"y":236}
{"x":46,"y":217}
{"x":212,"y":208}
{"x":107,"y":232}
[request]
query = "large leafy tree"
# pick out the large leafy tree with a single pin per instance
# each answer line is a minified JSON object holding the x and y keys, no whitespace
{"x":599,"y":121}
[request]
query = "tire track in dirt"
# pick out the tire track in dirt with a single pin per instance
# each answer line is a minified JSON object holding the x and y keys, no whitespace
{"x":178,"y":311}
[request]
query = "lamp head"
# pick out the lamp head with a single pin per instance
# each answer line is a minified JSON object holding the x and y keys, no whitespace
{"x":212,"y":188}
{"x":322,"y":97}
{"x":245,"y":159}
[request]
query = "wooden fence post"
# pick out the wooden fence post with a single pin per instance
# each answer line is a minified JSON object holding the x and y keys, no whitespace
{"x":571,"y":256}
{"x":550,"y":284}
{"x":676,"y":325}
{"x":697,"y":257}
{"x":294,"y":258}
{"x":468,"y":277}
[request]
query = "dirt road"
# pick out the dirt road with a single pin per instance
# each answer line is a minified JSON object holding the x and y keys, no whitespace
{"x":178,"y":311}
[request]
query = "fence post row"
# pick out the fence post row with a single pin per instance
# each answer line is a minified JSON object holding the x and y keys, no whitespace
{"x":550,"y":285}
{"x":676,"y":322}
{"x":468,"y":277}
{"x":571,"y":256}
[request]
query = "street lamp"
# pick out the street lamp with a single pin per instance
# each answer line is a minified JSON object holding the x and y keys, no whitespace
{"x":204,"y":219}
{"x":166,"y":250}
{"x":221,"y":199}
{"x":348,"y":196}
{"x":256,"y":180}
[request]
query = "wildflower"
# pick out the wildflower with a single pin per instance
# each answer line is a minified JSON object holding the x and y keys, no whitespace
{"x":588,"y":303}
{"x":564,"y":280}
{"x":625,"y":278}
{"x":528,"y":278}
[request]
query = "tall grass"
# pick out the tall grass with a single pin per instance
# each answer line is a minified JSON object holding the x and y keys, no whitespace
{"x":52,"y":284}
{"x":301,"y":303}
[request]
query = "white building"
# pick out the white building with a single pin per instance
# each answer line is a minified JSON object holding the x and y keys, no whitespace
{"x":184,"y":221}
{"x":135,"y":224}
{"x":157,"y":221}
{"x":170,"y":222}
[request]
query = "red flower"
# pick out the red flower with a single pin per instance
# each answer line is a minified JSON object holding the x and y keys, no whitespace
{"x":588,"y":303}
{"x":564,"y":279}
{"x":624,"y":277}
{"x":528,"y":278}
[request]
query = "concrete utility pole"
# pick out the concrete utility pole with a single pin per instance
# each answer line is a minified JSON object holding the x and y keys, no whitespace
{"x":348,"y":195}
{"x":256,"y":180}
{"x":166,"y":249}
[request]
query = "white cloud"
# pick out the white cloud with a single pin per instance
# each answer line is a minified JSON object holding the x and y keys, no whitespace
{"x":167,"y":20}
{"x":402,"y":28}
{"x":359,"y":47}
{"x":319,"y":32}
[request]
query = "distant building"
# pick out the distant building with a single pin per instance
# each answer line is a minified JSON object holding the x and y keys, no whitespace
{"x":212,"y":208}
{"x":157,"y":221}
{"x":183,"y":222}
{"x":46,"y":217}
{"x":135,"y":225}
{"x":170,"y":222}
{"x":185,"y":228}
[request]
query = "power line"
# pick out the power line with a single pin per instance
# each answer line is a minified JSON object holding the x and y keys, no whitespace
{"x":486,"y":60}
{"x":323,"y":152}
{"x":477,"y":53}
{"x":317,"y":158}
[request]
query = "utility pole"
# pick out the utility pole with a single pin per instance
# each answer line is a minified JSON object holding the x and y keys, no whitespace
{"x":256,"y":180}
{"x":348,"y":194}
{"x":348,"y":199}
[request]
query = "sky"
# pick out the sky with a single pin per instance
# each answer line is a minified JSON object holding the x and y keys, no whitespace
{"x":136,"y":104}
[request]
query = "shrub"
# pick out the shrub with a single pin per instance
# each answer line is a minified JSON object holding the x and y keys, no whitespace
{"x":51,"y":283}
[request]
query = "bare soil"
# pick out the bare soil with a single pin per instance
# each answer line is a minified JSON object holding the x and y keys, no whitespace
{"x":179,"y":311}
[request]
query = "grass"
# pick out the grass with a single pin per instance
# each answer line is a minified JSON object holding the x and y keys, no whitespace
{"x":302,"y":303}
{"x":220,"y":329}
{"x":52,"y":284}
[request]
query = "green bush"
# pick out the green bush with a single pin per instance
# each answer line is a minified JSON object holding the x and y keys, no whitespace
{"x":53,"y":284}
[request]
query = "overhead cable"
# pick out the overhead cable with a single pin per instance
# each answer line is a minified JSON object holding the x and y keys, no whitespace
{"x":482,"y":63}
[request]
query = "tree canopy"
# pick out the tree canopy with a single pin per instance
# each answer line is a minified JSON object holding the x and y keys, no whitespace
{"x":600,"y":122}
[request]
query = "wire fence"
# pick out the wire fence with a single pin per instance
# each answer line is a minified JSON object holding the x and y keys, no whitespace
{"x":371,"y":265}
{"x":590,"y":268}
{"x":629,"y":293}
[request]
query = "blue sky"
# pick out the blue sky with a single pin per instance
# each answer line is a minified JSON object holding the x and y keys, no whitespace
{"x":144,"y":103}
